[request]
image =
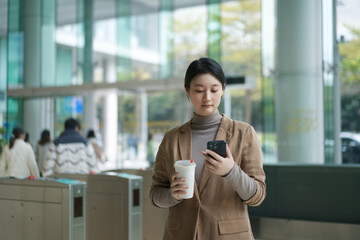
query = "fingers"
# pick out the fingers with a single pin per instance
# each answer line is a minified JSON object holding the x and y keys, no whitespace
{"x":210,"y":155}
{"x":178,"y":186}
{"x":215,"y":160}
{"x":211,"y":164}
{"x":220,"y":166}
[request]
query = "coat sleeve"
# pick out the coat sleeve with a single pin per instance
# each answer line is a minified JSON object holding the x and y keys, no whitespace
{"x":159,"y":194}
{"x":251,"y":164}
{"x":31,"y":162}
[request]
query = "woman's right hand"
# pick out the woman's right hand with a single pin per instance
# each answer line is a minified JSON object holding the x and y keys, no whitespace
{"x":177,"y":186}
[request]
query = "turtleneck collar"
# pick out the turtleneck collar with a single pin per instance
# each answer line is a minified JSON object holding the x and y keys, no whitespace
{"x":214,"y":118}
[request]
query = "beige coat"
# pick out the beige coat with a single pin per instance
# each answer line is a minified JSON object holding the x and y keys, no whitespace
{"x":216,"y":211}
{"x":19,"y":161}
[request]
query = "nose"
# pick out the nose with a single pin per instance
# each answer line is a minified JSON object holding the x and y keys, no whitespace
{"x":207,"y":95}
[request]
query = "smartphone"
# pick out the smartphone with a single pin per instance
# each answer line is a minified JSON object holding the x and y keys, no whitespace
{"x":217,"y":146}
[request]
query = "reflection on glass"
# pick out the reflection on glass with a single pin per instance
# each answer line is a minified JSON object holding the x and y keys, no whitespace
{"x":189,"y":36}
{"x":348,"y":39}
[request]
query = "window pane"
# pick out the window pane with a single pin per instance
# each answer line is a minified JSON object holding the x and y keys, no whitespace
{"x":189,"y":36}
{"x":348,"y":37}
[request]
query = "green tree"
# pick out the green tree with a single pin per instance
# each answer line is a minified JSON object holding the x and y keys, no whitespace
{"x":350,"y":55}
{"x":350,"y":81}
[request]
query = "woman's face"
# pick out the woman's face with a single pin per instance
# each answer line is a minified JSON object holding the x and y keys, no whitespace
{"x":205,"y":93}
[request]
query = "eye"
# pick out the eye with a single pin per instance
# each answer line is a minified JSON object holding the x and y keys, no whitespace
{"x":199,"y":91}
{"x":214,"y":91}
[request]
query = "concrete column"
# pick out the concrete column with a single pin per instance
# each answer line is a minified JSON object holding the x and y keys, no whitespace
{"x":142,"y":131}
{"x":299,"y":89}
{"x":89,"y":117}
{"x":110,"y":116}
{"x":48,"y":61}
{"x":331,"y":77}
{"x":35,"y":116}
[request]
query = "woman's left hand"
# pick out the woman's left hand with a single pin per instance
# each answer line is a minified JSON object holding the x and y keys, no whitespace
{"x":219,"y":166}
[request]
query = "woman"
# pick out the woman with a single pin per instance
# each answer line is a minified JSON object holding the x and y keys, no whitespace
{"x":18,"y":159}
{"x":224,"y":187}
{"x":150,"y":150}
{"x":42,"y":149}
{"x":98,"y":151}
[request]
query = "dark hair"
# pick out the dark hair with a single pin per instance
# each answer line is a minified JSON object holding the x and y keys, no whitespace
{"x":45,"y":137}
{"x":16,"y":132}
{"x":71,"y":123}
{"x":27,"y":137}
{"x":91,"y":133}
{"x":202,"y":66}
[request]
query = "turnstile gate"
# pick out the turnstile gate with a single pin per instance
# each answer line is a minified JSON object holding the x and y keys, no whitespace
{"x":114,"y":205}
{"x":42,"y":209}
{"x":153,"y":218}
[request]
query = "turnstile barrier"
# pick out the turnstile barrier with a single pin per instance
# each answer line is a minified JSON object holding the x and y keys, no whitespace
{"x":114,"y":206}
{"x":42,"y":209}
{"x":153,"y":218}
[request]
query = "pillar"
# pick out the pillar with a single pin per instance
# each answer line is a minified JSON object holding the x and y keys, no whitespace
{"x":110,"y":116}
{"x":299,"y":89}
{"x":39,"y":68}
{"x":86,"y":19}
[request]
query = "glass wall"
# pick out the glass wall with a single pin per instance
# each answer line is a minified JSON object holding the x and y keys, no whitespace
{"x":3,"y":70}
{"x":126,"y":59}
{"x":348,"y":40}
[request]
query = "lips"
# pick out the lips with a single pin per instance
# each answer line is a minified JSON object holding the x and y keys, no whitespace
{"x":207,"y":104}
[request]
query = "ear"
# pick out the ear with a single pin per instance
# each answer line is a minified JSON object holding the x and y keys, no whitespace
{"x":187,"y":91}
{"x":223,"y":89}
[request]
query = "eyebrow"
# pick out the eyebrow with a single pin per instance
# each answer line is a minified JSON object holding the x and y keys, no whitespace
{"x":200,"y":85}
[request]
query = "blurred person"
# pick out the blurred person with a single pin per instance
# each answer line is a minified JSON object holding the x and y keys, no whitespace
{"x":42,"y":149}
{"x":98,"y":150}
{"x":133,"y":146}
{"x":18,"y":158}
{"x":150,"y":156}
{"x":70,"y":152}
{"x":224,"y":186}
{"x":27,"y":139}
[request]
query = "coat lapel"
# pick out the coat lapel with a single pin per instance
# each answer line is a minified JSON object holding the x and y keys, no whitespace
{"x":223,"y":133}
{"x":185,"y":141}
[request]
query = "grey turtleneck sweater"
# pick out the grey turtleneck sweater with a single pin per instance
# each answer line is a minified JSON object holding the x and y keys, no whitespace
{"x":204,"y":129}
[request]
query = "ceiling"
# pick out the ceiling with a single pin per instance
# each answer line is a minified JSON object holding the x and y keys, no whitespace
{"x":67,"y":12}
{"x":104,"y":9}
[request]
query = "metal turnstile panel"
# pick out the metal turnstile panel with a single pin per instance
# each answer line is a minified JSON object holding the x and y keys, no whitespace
{"x":114,"y":206}
{"x":153,"y":218}
{"x":40,"y":209}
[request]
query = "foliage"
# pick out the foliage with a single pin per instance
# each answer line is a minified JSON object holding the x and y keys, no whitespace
{"x":350,"y":82}
{"x":241,"y":38}
{"x":350,"y":55}
{"x":189,"y":37}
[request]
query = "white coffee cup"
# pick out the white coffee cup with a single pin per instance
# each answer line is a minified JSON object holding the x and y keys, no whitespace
{"x":186,"y":169}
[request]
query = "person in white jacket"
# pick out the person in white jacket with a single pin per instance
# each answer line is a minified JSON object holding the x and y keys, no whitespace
{"x":18,"y":158}
{"x":70,"y":153}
